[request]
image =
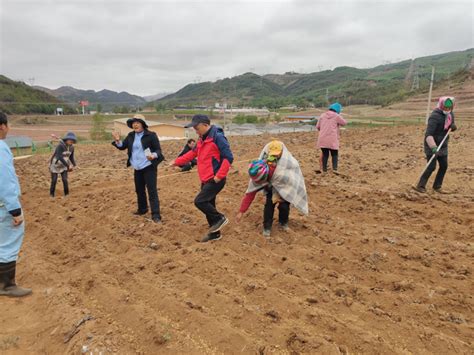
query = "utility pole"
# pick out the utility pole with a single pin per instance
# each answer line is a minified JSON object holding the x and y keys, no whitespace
{"x":415,"y":85}
{"x":429,"y":95}
{"x":327,"y":96}
{"x":225,"y":105}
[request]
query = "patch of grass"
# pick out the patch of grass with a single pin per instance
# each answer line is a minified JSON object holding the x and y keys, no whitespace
{"x":162,"y":339}
{"x":8,"y":342}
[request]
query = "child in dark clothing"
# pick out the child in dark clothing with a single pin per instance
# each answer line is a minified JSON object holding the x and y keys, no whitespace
{"x":62,"y":162}
{"x":191,"y":143}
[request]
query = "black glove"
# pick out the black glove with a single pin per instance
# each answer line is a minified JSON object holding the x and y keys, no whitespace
{"x":453,"y":127}
{"x":15,"y":213}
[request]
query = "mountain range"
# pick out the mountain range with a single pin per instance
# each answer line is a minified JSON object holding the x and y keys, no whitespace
{"x":107,"y":98}
{"x":155,"y":97}
{"x":18,"y":97}
{"x":380,"y":85}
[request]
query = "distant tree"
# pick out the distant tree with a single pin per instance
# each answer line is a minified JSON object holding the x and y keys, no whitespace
{"x":251,"y":119}
{"x":121,"y":109}
{"x":300,"y":102}
{"x":99,"y":108}
{"x":98,"y":132}
{"x":160,"y":107}
{"x":240,"y":119}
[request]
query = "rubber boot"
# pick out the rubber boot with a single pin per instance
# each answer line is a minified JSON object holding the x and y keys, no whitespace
{"x":8,"y":286}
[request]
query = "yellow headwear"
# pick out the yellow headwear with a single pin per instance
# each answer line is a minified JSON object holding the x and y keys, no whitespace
{"x":275,"y":148}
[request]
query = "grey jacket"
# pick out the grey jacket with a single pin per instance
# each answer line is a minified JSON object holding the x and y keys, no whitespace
{"x":62,"y":158}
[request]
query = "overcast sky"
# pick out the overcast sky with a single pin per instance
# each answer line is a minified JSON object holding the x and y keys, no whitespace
{"x":147,"y":47}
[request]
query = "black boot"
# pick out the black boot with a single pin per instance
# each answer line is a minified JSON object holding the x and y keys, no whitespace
{"x":8,"y":285}
{"x":4,"y":275}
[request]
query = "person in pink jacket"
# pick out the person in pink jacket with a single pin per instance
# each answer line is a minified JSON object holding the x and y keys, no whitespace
{"x":328,"y":140}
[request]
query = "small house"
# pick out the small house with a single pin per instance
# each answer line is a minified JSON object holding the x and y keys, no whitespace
{"x":19,"y":142}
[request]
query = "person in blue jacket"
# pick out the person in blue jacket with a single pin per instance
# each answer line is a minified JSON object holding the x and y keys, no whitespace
{"x":12,"y":227}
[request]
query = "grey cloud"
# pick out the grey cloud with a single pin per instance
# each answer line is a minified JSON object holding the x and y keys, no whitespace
{"x":146,"y":47}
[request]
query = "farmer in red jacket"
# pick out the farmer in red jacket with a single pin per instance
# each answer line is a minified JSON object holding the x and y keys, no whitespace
{"x":214,"y":159}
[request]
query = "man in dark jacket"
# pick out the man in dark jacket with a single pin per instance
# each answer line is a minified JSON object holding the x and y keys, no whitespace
{"x":190,"y":144}
{"x":214,"y":159}
{"x":439,"y":122}
{"x":144,"y":155}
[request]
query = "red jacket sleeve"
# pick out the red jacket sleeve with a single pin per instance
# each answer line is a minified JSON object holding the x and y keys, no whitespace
{"x":186,"y":158}
{"x":224,"y":169}
{"x":247,"y":201}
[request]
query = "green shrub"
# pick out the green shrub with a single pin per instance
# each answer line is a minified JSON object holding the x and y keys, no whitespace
{"x":98,"y":132}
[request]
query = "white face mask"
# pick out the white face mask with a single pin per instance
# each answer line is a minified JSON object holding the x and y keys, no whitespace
{"x":446,"y":112}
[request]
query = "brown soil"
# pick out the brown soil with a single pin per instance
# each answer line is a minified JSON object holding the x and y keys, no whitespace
{"x":42,"y":132}
{"x":375,"y":268}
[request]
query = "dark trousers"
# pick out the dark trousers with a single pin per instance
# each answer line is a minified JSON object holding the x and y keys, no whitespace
{"x":443,"y":166}
{"x":205,"y":200}
{"x":334,"y":158}
{"x":189,"y":165}
{"x":54,"y":181}
{"x":269,"y":210}
{"x":147,"y":179}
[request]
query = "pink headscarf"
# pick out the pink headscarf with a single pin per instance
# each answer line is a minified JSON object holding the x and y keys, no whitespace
{"x":449,"y":118}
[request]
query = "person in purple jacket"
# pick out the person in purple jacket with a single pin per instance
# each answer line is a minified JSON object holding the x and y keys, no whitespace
{"x":328,"y":140}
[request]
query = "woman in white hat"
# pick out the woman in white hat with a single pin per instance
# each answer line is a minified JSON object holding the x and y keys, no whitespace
{"x":144,"y":155}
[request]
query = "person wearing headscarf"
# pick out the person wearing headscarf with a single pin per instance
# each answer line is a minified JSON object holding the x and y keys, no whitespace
{"x":62,"y":162}
{"x":278,"y":175}
{"x":12,"y":226}
{"x":329,"y":131}
{"x":439,"y":122}
{"x":144,"y":155}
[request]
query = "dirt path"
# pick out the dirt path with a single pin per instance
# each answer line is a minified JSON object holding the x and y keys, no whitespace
{"x":375,"y":268}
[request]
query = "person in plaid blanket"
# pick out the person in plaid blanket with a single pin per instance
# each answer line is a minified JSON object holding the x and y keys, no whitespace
{"x":278,"y":175}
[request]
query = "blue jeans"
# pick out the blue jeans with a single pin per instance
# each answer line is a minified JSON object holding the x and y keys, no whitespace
{"x":11,"y":237}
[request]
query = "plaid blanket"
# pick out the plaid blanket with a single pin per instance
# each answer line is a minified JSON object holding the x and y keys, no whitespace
{"x":287,"y":180}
